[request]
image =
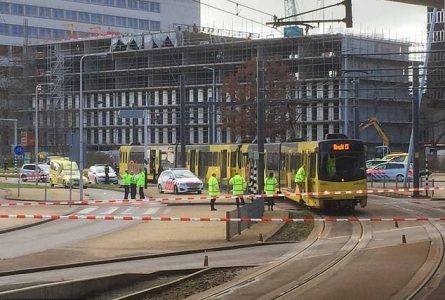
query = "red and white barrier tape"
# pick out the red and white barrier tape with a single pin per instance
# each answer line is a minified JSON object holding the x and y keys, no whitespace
{"x":191,"y":199}
{"x":208,"y":219}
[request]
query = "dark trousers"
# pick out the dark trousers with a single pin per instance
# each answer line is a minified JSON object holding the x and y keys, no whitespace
{"x":126,"y":191}
{"x":300,"y":189}
{"x":212,"y":204}
{"x":238,"y":199}
{"x":133,"y":191}
{"x":270,"y":203}
{"x":141,"y":192}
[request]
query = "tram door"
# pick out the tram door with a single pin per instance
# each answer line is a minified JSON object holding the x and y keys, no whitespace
{"x":311,"y":174}
{"x":223,"y":164}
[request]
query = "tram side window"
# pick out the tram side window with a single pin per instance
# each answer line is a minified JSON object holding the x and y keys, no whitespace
{"x":295,"y":161}
{"x":232,"y":159}
{"x":272,"y":161}
{"x":313,"y":159}
{"x":215,"y":159}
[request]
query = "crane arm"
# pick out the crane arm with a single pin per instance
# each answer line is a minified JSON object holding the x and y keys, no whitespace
{"x":377,"y":127}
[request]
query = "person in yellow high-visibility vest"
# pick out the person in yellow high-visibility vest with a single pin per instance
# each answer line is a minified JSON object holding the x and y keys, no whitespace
{"x":126,"y":180}
{"x":213,"y":190}
{"x":238,"y":186}
{"x":140,"y":183}
{"x":300,"y":179}
{"x":270,"y":187}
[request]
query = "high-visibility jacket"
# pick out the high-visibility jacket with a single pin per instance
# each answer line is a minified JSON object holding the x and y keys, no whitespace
{"x":126,"y":179}
{"x":331,"y":169}
{"x":133,"y":179}
{"x":140,"y":181}
{"x":213,"y":186}
{"x":301,"y":175}
{"x":270,"y":185}
{"x":238,"y":185}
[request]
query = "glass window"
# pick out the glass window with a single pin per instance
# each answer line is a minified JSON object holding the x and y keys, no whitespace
{"x":109,"y":2}
{"x":121,"y":3}
{"x":133,"y":4}
{"x":155,"y":7}
{"x":33,"y":32}
{"x":44,"y":12}
{"x":155,"y":25}
{"x":58,"y":34}
{"x":144,"y":24}
{"x":84,"y":17}
{"x":109,"y":20}
{"x":121,"y":21}
{"x":4,"y":29}
{"x":4,"y":8}
{"x":58,"y":14}
{"x":44,"y":33}
{"x":98,"y":2}
{"x":144,"y":5}
{"x":17,"y":30}
{"x":17,"y":9}
{"x":132,"y":23}
{"x":31,"y":11}
{"x":71,"y":15}
{"x":96,"y":19}
{"x":344,"y":166}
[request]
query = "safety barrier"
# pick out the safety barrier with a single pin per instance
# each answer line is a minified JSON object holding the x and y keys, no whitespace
{"x":208,"y":219}
{"x":249,"y":210}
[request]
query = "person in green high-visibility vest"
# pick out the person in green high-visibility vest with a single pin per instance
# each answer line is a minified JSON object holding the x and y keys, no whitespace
{"x":133,"y":186}
{"x":213,"y":190}
{"x":300,"y":179}
{"x":238,"y":186}
{"x":126,"y":178}
{"x":270,"y":187}
{"x":140,"y":183}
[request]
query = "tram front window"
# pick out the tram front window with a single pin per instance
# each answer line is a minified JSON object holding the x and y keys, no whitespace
{"x":341,"y":167}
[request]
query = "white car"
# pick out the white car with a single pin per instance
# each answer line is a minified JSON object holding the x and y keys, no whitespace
{"x":28,"y":172}
{"x":96,"y":174}
{"x":389,"y":171}
{"x":179,"y":181}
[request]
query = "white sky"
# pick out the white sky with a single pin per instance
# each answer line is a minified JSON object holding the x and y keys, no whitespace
{"x":394,"y":20}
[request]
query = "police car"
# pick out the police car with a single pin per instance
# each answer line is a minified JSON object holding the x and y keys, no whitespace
{"x":179,"y":181}
{"x":389,"y":171}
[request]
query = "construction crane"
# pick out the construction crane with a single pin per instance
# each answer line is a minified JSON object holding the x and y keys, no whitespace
{"x":380,"y":150}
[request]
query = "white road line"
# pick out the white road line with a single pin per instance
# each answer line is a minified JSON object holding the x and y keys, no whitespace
{"x":151,"y":211}
{"x":110,"y":210}
{"x":88,"y":210}
{"x":129,"y":211}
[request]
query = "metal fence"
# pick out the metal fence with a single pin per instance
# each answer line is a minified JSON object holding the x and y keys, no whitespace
{"x":250,"y":210}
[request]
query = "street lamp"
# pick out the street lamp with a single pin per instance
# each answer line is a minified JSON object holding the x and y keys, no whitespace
{"x":101,"y":54}
{"x":212,"y":119}
{"x":36,"y":133}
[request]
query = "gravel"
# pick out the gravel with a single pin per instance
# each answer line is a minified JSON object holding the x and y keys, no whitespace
{"x":295,"y":231}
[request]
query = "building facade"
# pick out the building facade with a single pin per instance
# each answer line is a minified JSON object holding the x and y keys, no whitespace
{"x":26,"y":22}
{"x":341,"y":81}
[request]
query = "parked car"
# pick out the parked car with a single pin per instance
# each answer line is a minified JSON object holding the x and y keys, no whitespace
{"x":179,"y":181}
{"x":389,"y":171}
{"x":96,"y":174}
{"x":374,"y":162}
{"x":28,"y":172}
{"x":66,"y":173}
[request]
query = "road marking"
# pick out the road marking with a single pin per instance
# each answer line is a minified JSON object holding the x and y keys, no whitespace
{"x":151,"y":211}
{"x":87,"y":210}
{"x":110,"y":210}
{"x":130,"y":210}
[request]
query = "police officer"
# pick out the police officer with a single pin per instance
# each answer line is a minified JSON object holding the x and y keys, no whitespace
{"x":213,"y":190}
{"x":140,"y":183}
{"x":300,"y":179}
{"x":270,"y":185}
{"x":133,"y":186}
{"x":107,"y":174}
{"x":126,"y":178}
{"x":238,"y":186}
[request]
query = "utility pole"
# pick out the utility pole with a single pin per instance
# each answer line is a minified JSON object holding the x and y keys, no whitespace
{"x":356,"y":110}
{"x":182,"y":130}
{"x":260,"y":119}
{"x":415,"y":121}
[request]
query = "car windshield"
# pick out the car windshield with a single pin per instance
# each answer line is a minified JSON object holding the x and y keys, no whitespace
{"x":44,"y":168}
{"x":183,"y":174}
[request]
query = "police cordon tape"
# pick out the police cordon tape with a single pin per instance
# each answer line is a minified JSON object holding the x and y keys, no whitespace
{"x":208,"y":219}
{"x":192,"y":199}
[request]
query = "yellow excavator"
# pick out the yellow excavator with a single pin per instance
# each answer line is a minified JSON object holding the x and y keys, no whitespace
{"x":380,"y":150}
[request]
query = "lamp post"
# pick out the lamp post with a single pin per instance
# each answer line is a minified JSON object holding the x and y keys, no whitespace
{"x":101,"y":54}
{"x":36,"y":133}
{"x":212,"y":119}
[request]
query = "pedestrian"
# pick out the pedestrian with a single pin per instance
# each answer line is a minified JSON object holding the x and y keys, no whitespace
{"x":270,"y":184}
{"x":126,"y":178}
{"x":107,"y":174}
{"x":132,"y":186}
{"x":238,"y":186}
{"x":300,"y":179}
{"x":5,"y":163}
{"x":141,"y":183}
{"x":213,"y":190}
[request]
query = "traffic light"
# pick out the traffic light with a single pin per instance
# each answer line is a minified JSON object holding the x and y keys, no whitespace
{"x":348,"y":18}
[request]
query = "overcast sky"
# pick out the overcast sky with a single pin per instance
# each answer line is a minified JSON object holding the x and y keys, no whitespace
{"x":395,"y":20}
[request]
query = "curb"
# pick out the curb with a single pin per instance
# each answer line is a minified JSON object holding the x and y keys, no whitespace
{"x":133,"y":258}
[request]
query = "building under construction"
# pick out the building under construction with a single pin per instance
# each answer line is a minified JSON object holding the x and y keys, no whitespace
{"x":340,"y":81}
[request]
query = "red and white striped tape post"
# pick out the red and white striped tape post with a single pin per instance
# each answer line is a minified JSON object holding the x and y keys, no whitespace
{"x":146,"y":218}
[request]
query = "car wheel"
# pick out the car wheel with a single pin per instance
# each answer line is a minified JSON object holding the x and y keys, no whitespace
{"x":399,"y":178}
{"x":23,"y":177}
{"x":176,"y":190}
{"x":160,"y":189}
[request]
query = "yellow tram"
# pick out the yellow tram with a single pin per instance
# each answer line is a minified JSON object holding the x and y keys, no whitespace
{"x":331,"y":165}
